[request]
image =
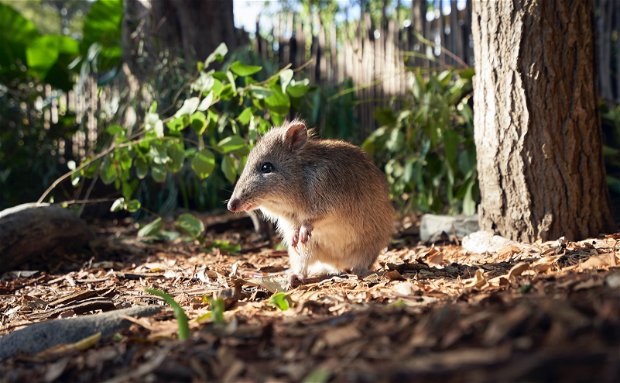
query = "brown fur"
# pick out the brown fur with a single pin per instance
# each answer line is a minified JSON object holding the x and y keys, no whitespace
{"x":332,"y":187}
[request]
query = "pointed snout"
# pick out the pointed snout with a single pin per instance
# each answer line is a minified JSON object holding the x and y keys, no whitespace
{"x":234,"y":204}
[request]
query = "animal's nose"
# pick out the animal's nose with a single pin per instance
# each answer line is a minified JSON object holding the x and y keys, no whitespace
{"x":233,"y":204}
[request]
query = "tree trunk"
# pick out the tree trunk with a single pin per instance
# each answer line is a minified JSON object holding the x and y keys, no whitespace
{"x":418,"y":25}
{"x":537,"y":132}
{"x":456,"y":32}
{"x":189,"y":28}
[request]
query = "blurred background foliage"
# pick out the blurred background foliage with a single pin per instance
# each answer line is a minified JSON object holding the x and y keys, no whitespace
{"x":150,"y":113}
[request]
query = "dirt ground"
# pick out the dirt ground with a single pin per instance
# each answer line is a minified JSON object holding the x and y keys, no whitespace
{"x":539,"y":313}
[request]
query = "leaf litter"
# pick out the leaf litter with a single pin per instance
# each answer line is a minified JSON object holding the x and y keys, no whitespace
{"x":542,"y":312}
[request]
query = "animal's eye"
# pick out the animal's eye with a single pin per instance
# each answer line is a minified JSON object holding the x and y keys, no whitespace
{"x":266,"y":167}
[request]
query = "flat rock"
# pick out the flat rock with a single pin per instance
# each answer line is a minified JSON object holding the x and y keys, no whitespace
{"x":486,"y":242}
{"x":432,"y":226}
{"x":32,"y":230}
{"x":41,"y":336}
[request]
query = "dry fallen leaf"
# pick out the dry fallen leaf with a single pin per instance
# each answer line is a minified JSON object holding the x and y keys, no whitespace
{"x":599,"y":262}
{"x":434,"y":257}
{"x":507,"y":252}
{"x":478,"y":280}
{"x":394,"y":275}
{"x":544,"y":263}
{"x":502,"y":280}
{"x":517,"y":270}
{"x":272,"y":283}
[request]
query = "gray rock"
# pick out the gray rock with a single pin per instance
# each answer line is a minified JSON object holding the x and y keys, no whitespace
{"x":486,"y":242}
{"x":431,"y":226}
{"x":41,"y":336}
{"x":30,"y":230}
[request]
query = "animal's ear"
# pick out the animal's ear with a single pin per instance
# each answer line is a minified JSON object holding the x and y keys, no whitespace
{"x":296,"y":135}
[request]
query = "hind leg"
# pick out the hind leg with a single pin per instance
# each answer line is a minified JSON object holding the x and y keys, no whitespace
{"x":357,"y":261}
{"x":300,"y":258}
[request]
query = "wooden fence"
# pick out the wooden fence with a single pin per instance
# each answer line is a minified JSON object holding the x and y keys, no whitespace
{"x":374,"y":54}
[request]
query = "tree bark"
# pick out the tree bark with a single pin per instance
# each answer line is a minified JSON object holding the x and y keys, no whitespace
{"x":537,"y":131}
{"x":418,"y":25}
{"x":456,"y":32}
{"x":190,"y":28}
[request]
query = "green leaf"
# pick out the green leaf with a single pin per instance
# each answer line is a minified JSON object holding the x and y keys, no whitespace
{"x":198,"y":121}
{"x":467,"y":73}
{"x":385,"y":116}
{"x":225,"y":246}
{"x":260,"y":92}
{"x":142,"y":167}
{"x":159,"y":173}
{"x":108,"y":172}
{"x":115,"y":129}
{"x":152,"y":123}
{"x":451,"y":141}
{"x":280,"y":300}
{"x":206,"y":102}
{"x":124,"y":159}
{"x":133,"y":205}
{"x":203,"y":83}
{"x":285,"y":79}
{"x":179,"y":313}
{"x":203,"y":163}
{"x":244,"y":70}
{"x":218,"y":54}
{"x":176,"y":153}
{"x":151,"y":229}
{"x":277,"y":119}
{"x":189,"y":106}
{"x":469,"y":205}
{"x":278,"y":102}
{"x":129,"y":186}
{"x":245,"y":116}
{"x":217,"y":307}
{"x":231,"y":144}
{"x":43,"y":52}
{"x":395,"y":142}
{"x":229,"y":170}
{"x":233,"y":86}
{"x":118,"y":205}
{"x":76,"y":178}
{"x":159,"y":154}
{"x":102,"y":26}
{"x":16,"y":33}
{"x":217,"y":88}
{"x":177,"y":124}
{"x":319,"y":375}
{"x":299,"y":88}
{"x":190,"y":225}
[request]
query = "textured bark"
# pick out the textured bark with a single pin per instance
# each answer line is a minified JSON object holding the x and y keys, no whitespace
{"x":190,"y":28}
{"x":537,"y":132}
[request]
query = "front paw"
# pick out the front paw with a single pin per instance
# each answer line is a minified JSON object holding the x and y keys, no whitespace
{"x":305,"y":232}
{"x":295,"y":280}
{"x":295,"y":238}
